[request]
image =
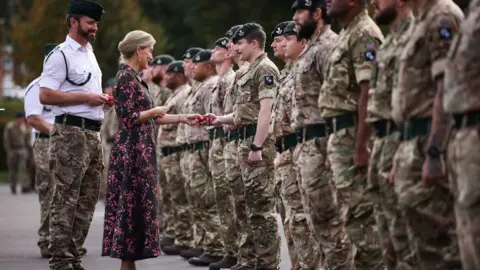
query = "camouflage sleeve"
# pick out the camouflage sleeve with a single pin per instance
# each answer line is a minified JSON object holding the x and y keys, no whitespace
{"x":267,"y":79}
{"x":207,"y":97}
{"x":441,"y":33}
{"x":364,"y":51}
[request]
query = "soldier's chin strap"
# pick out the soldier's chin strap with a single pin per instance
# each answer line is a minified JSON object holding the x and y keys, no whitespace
{"x":66,"y":70}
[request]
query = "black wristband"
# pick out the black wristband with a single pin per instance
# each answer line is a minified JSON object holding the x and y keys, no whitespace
{"x":255,"y":148}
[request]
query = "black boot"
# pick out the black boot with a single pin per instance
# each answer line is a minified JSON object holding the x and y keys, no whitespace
{"x":204,"y":260}
{"x":174,"y":249}
{"x":190,"y":253}
{"x":226,"y":262}
{"x":165,"y":242}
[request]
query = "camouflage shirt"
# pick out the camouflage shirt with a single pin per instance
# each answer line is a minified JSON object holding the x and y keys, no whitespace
{"x":110,"y":126}
{"x":159,"y":94}
{"x":228,"y":106}
{"x":199,"y":103}
{"x":350,"y":63}
{"x":282,"y":110}
{"x":423,"y":59}
{"x":382,"y":82}
{"x":168,"y":133}
{"x":15,"y":137}
{"x":309,"y":75}
{"x":181,"y":136}
{"x":259,"y":82}
{"x":462,"y":80}
{"x":225,"y":81}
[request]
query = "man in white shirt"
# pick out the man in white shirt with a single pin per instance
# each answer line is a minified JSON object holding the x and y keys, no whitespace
{"x":71,"y":83}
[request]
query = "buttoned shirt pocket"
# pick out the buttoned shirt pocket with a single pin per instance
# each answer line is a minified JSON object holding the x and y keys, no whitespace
{"x":80,"y":74}
{"x":244,"y":89}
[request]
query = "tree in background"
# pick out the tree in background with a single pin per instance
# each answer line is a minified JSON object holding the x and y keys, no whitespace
{"x":44,"y":21}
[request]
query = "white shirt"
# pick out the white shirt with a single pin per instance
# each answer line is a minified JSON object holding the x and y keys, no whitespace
{"x":34,"y":107}
{"x":81,"y":61}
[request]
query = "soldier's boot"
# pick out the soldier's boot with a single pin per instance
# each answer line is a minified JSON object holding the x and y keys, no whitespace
{"x":13,"y":189}
{"x":204,"y":260}
{"x":44,"y":252}
{"x":174,"y":249}
{"x":225,"y":263}
{"x":166,"y":241}
{"x":26,"y":190}
{"x":190,"y":253}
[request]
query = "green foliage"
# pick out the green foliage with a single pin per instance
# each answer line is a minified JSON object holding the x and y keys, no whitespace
{"x":44,"y":22}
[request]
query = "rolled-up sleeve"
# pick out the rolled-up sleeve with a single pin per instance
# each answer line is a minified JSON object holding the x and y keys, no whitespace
{"x":32,"y":101}
{"x":54,"y":72}
{"x":127,"y":93}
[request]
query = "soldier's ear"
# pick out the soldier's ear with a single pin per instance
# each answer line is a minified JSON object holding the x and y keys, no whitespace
{"x":317,"y":14}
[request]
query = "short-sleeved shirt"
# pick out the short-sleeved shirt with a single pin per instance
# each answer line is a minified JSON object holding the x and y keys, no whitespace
{"x":310,"y":73}
{"x":199,"y":104}
{"x":259,"y":82}
{"x":228,"y":101}
{"x":350,"y":63}
{"x":81,"y":64}
{"x":383,"y":76}
{"x":34,"y":107}
{"x":462,"y":75}
{"x":423,"y":60}
{"x":280,"y":125}
{"x":218,"y":96}
{"x":167,"y":134}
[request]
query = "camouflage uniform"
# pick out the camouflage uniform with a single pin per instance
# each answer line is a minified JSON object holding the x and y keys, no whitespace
{"x":16,"y":140}
{"x":235,"y":183}
{"x":45,"y":190}
{"x":223,"y":195}
{"x":427,"y":209}
{"x":392,"y":228}
{"x":110,"y":127}
{"x":201,"y":184}
{"x":303,"y":248}
{"x":460,"y":98}
{"x":313,"y":178}
{"x":257,"y":83}
{"x":175,"y":182}
{"x":350,"y":64}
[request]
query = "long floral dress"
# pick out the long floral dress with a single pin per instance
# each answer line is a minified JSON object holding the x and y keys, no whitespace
{"x":131,"y":227}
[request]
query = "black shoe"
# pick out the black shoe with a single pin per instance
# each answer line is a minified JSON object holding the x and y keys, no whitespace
{"x":165,"y":242}
{"x":26,"y":190}
{"x":13,"y":190}
{"x":204,"y":260}
{"x":174,"y":249}
{"x":226,"y":262}
{"x":45,"y":255}
{"x":190,"y":253}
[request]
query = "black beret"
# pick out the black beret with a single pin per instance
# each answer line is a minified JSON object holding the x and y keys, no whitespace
{"x":87,"y":8}
{"x":109,"y":82}
{"x":279,"y":29}
{"x":47,"y":48}
{"x":20,"y":115}
{"x":176,"y":67}
{"x":308,"y":4}
{"x":190,"y":53}
{"x":202,"y":56}
{"x":222,"y":42}
{"x":232,"y":31}
{"x":246,"y":30}
{"x":290,"y":29}
{"x":160,"y":60}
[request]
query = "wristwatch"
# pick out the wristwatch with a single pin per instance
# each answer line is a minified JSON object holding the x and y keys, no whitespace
{"x":255,"y":148}
{"x":434,"y":151}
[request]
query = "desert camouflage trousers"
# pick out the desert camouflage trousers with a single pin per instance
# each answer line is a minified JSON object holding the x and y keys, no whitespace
{"x":195,"y":230}
{"x":76,"y":165}
{"x":166,"y":211}
{"x":107,"y":149}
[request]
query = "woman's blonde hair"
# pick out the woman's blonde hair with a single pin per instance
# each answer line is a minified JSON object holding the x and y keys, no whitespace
{"x":133,"y":40}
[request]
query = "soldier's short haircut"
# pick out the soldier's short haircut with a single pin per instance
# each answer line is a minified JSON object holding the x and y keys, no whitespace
{"x":259,"y":35}
{"x":73,"y":16}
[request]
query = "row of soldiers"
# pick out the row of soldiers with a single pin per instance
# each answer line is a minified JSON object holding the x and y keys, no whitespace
{"x":303,"y":136}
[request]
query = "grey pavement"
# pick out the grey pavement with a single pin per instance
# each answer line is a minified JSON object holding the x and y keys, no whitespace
{"x":19,"y":219}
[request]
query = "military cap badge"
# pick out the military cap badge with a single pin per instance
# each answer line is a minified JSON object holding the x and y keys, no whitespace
{"x":241,"y":33}
{"x":188,"y":55}
{"x":308,"y":3}
{"x":197,"y":58}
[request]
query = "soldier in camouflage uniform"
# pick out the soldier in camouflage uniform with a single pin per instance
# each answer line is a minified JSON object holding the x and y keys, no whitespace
{"x":201,"y":184}
{"x":253,"y":99}
{"x":309,"y":156}
{"x":343,"y":104}
{"x":391,"y":226}
{"x":427,"y":205}
{"x":158,"y":88}
{"x":460,"y":98}
{"x":223,"y":195}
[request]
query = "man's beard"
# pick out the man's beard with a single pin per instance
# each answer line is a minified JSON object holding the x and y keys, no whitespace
{"x":386,"y":16}
{"x":171,"y":85}
{"x":157,"y":78}
{"x":307,"y":29}
{"x":85,"y":34}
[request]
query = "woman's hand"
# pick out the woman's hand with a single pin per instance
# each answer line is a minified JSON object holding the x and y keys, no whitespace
{"x":159,"y":111}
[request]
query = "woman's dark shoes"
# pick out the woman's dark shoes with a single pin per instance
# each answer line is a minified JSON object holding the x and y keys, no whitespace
{"x":174,"y":249}
{"x":225,"y":263}
{"x":204,"y":260}
{"x":190,"y":253}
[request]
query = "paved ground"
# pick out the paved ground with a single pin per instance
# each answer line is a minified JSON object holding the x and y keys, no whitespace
{"x":19,"y":218}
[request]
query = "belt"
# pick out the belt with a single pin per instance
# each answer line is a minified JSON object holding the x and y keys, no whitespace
{"x":233,"y":135}
{"x":72,"y":120}
{"x":384,"y":127}
{"x":311,"y":132}
{"x":468,"y":119}
{"x":41,"y":135}
{"x":286,"y":142}
{"x":247,"y":131}
{"x":414,"y":127}
{"x":197,"y":146}
{"x":340,"y":122}
{"x":169,"y":150}
{"x":110,"y":140}
{"x":216,"y":133}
